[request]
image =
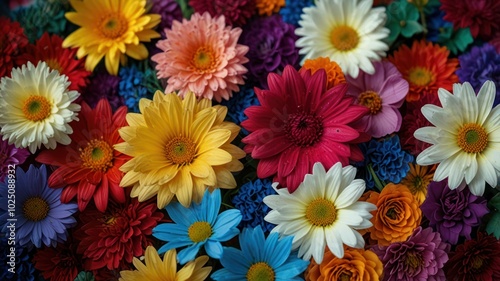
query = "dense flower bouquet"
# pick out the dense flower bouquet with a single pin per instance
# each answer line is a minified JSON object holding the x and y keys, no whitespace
{"x":250,"y":140}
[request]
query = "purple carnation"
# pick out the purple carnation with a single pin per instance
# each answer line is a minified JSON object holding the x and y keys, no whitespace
{"x":103,"y":85}
{"x":10,"y":155}
{"x":421,"y":257}
{"x":453,"y":213}
{"x":479,"y":65}
{"x":271,"y":44}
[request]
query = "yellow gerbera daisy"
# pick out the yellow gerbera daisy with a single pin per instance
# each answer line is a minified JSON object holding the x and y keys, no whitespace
{"x":179,"y":147}
{"x":111,"y":29}
{"x":156,"y":269}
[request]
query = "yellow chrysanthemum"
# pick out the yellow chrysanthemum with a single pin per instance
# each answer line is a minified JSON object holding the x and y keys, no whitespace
{"x":156,"y":269}
{"x":179,"y":147}
{"x":111,"y":29}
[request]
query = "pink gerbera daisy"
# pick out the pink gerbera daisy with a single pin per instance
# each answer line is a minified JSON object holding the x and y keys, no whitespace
{"x":301,"y":122}
{"x":383,"y":93}
{"x":201,"y":55}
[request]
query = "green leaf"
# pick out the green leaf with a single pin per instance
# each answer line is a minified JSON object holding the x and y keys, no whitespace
{"x":494,"y":202}
{"x":493,"y":226}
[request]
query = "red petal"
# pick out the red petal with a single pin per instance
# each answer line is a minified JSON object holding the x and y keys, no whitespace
{"x":267,"y":167}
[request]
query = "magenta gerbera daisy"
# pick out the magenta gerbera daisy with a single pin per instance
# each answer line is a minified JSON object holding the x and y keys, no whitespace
{"x":299,"y":118}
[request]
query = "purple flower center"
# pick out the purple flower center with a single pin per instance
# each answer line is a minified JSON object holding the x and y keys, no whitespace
{"x":303,"y":129}
{"x":453,"y":205}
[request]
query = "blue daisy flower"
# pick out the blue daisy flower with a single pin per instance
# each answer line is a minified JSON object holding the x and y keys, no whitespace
{"x":260,"y":259}
{"x":197,"y":226}
{"x":38,"y":214}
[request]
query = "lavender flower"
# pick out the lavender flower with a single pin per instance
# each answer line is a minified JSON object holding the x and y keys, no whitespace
{"x":169,"y":10}
{"x":272,"y":46}
{"x":453,"y":213}
{"x":478,"y":66}
{"x":421,"y":257}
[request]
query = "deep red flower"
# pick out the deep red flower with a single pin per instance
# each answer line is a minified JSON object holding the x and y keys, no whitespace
{"x":61,"y":263}
{"x":89,"y":166}
{"x":413,"y":120}
{"x":236,"y":12}
{"x":12,"y":42}
{"x":49,"y":49}
{"x":116,"y":236}
{"x":300,"y":122}
{"x":481,"y":16}
{"x":475,"y":260}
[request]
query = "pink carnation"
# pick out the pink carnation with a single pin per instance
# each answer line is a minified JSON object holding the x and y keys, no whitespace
{"x":383,"y":93}
{"x":202,"y":55}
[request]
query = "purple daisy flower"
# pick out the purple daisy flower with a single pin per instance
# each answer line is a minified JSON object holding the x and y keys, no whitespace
{"x":479,"y":65}
{"x":421,"y":257}
{"x":103,"y":85}
{"x":453,"y":213}
{"x":383,"y":93}
{"x":271,"y":44}
{"x":38,"y":214}
{"x":10,"y":155}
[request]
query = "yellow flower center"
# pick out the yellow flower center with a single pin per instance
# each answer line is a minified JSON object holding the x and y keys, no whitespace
{"x":204,"y":59}
{"x":260,"y":271}
{"x":113,"y":25}
{"x":344,"y":38}
{"x":97,"y":155}
{"x":54,"y":64}
{"x":371,"y":100}
{"x":413,"y":260}
{"x":37,"y":108}
{"x":420,"y":76}
{"x":180,"y":150}
{"x":35,"y":209}
{"x":321,"y":212}
{"x":199,"y":231}
{"x":472,"y":138}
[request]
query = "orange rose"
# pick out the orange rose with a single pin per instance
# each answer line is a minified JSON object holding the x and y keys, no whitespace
{"x":397,"y":214}
{"x":357,"y":264}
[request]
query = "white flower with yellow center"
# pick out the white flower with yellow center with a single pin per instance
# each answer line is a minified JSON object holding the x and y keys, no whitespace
{"x":349,"y":32}
{"x":323,"y":211}
{"x":466,"y":137}
{"x":36,"y":107}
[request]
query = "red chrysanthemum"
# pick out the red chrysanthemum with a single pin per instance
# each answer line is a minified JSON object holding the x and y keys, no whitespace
{"x":481,"y":16}
{"x":89,"y":166}
{"x":413,"y":120}
{"x":12,"y":42}
{"x":49,"y":49}
{"x":426,"y":67}
{"x":61,"y":263}
{"x":300,"y":122}
{"x":236,"y":12}
{"x":475,"y":260}
{"x":116,"y":236}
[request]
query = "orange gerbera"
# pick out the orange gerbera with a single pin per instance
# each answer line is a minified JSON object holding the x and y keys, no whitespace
{"x":397,"y":215}
{"x":357,"y":264}
{"x":418,"y":179}
{"x":426,"y":67}
{"x":334,"y":74}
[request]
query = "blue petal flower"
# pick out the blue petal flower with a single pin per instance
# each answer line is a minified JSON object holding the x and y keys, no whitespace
{"x":190,"y":227}
{"x":273,"y":252}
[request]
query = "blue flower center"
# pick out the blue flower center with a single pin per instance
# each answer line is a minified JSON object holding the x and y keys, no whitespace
{"x":35,"y":209}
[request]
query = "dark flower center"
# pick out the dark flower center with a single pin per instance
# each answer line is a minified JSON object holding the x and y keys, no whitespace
{"x":391,"y":213}
{"x":477,"y":262}
{"x":36,"y":209}
{"x":345,"y":276}
{"x":413,"y":260}
{"x":303,"y":129}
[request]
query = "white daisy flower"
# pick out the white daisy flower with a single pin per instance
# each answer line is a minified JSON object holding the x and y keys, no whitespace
{"x":323,"y":211}
{"x":349,"y":32}
{"x":36,"y":107}
{"x":466,"y":137}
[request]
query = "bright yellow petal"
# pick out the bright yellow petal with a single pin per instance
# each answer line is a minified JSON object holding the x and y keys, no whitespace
{"x":138,"y":52}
